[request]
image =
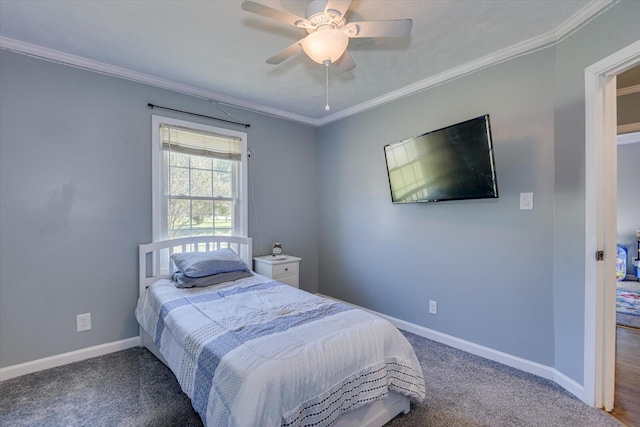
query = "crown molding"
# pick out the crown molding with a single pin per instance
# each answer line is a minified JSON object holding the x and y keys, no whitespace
{"x":582,"y":17}
{"x":586,"y":14}
{"x":628,"y":90}
{"x":629,"y":128}
{"x":520,"y":49}
{"x":628,"y":138}
{"x":83,"y":63}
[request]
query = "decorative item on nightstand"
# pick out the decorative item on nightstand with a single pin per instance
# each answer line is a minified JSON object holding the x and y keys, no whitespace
{"x":277,"y":249}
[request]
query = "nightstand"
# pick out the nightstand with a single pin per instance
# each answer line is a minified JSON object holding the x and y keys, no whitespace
{"x":284,"y":270}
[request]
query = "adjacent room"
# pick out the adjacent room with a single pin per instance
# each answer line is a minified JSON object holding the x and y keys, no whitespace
{"x":628,"y":246}
{"x":325,"y":212}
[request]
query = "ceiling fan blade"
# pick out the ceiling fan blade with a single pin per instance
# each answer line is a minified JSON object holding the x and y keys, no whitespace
{"x":391,"y":28}
{"x":285,"y":53}
{"x":340,"y":6}
{"x":269,"y":12}
{"x":345,"y":63}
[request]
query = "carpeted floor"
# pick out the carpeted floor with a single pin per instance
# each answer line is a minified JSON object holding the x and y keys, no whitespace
{"x":132,"y":388}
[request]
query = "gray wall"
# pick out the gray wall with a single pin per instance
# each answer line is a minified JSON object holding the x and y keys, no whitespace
{"x":629,"y":108}
{"x":487,"y":263}
{"x":75,"y":200}
{"x":503,"y":278}
{"x":629,"y":200}
{"x":75,"y":168}
{"x":609,"y":32}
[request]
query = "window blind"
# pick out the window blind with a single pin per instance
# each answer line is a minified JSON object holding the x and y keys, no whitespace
{"x":189,"y":141}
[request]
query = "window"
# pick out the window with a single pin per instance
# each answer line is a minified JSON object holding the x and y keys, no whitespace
{"x":199,"y":180}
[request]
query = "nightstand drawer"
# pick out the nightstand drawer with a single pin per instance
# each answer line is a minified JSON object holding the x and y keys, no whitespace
{"x":281,"y":270}
{"x":285,"y":269}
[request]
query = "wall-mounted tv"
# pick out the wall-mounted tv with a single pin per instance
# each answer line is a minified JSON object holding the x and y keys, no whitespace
{"x":452,"y":163}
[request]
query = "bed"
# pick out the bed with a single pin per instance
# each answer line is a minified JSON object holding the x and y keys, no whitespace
{"x":254,"y":351}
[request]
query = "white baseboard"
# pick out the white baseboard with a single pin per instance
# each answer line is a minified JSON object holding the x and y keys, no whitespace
{"x":570,"y":385}
{"x":488,"y":353}
{"x":525,"y":365}
{"x":66,"y":358}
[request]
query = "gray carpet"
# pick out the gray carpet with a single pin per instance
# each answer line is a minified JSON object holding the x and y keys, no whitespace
{"x":132,"y":388}
{"x":468,"y":390}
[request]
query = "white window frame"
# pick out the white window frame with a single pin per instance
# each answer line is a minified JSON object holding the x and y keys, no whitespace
{"x":158,"y":199}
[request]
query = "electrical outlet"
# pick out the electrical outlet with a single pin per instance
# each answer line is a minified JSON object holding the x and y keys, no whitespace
{"x":83,"y":322}
{"x":433,"y":307}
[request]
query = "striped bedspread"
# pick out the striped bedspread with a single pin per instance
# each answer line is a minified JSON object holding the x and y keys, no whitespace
{"x":258,"y":352}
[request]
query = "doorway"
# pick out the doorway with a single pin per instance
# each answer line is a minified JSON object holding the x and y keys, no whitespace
{"x":600,"y":219}
{"x":627,"y":383}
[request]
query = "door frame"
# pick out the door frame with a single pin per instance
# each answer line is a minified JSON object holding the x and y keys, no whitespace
{"x":600,"y":223}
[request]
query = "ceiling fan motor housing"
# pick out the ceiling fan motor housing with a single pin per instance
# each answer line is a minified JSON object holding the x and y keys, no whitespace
{"x":328,"y":32}
{"x":317,"y":16}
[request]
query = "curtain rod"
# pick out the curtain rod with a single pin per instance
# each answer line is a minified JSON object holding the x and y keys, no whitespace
{"x":152,"y":106}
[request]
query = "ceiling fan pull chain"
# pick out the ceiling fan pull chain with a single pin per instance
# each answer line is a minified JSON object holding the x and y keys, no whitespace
{"x":326,"y":64}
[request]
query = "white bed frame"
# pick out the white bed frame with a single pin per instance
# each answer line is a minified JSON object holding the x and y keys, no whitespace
{"x":155,"y":264}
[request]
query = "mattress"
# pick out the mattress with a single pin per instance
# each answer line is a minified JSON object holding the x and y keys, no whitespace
{"x":259,"y":352}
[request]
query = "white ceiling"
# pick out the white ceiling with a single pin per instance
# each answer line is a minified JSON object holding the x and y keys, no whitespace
{"x":215,"y":50}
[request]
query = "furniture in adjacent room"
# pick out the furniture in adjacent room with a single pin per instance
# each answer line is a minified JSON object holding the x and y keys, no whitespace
{"x":636,"y":262}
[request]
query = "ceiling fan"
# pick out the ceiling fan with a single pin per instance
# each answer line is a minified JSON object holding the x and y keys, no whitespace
{"x":329,"y":32}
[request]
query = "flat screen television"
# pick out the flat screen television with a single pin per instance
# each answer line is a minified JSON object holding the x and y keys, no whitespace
{"x":452,"y":163}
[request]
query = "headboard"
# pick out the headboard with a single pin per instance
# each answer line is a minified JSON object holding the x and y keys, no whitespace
{"x":155,"y":262}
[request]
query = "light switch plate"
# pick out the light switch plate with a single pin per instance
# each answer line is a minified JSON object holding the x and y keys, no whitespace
{"x":526,"y":201}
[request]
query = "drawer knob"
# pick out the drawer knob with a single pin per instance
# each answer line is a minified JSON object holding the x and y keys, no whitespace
{"x":286,"y":269}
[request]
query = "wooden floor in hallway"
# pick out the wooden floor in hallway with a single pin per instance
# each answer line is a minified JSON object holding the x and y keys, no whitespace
{"x":626,"y":407}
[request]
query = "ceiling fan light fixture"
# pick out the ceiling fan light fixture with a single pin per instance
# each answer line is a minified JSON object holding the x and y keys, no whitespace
{"x":325,"y":44}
